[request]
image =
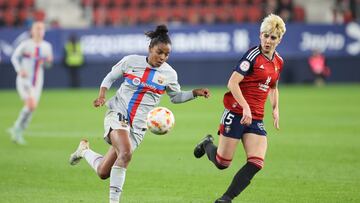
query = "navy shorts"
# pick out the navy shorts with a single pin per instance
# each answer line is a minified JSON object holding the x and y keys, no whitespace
{"x":230,"y":126}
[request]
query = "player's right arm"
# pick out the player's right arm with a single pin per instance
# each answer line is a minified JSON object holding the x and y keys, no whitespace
{"x":244,"y":68}
{"x":15,"y":60}
{"x":233,"y":86}
{"x":100,"y":101}
{"x":116,"y":72}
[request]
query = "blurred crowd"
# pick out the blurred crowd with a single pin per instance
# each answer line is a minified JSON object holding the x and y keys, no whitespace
{"x":17,"y":13}
{"x":134,"y":12}
{"x":14,"y":13}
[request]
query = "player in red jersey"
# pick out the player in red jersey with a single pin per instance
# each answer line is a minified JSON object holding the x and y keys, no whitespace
{"x":255,"y":76}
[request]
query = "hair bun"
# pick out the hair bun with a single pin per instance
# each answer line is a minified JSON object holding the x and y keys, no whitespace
{"x":159,"y":35}
{"x":161,"y":29}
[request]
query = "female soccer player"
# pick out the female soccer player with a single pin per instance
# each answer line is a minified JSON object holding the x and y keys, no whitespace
{"x":255,"y":76}
{"x":146,"y":79}
{"x":29,"y":60}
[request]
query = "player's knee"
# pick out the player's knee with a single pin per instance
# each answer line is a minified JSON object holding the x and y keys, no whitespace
{"x":257,"y":161}
{"x":222,"y":163}
{"x":31,"y":104}
{"x":32,"y":107}
{"x":125,"y":156}
{"x":103,"y":175}
{"x":103,"y":172}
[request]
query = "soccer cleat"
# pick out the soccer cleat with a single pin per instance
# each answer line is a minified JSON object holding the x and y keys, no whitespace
{"x":17,"y":136}
{"x":79,"y":153}
{"x":199,"y":150}
{"x":223,"y":199}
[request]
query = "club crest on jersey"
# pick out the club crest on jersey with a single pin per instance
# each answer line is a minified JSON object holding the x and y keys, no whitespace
{"x":276,"y":69}
{"x":244,"y":66}
{"x":262,"y":67}
{"x":160,"y":80}
{"x":227,"y":129}
{"x":261,"y":126}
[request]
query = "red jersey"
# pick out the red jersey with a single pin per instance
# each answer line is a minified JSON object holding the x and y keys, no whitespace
{"x":260,"y":74}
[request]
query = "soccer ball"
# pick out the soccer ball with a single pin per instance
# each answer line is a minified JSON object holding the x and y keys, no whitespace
{"x":160,"y":120}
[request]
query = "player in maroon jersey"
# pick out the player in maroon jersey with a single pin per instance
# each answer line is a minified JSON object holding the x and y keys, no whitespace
{"x":255,"y":76}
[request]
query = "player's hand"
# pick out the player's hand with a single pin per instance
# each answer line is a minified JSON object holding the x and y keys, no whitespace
{"x":49,"y":59}
{"x":23,"y":73}
{"x":100,"y":101}
{"x":276,"y":118}
{"x":204,"y":92}
{"x":246,"y":117}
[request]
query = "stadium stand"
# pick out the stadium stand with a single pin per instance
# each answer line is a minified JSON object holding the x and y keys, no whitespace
{"x":183,"y":11}
{"x":16,"y":13}
{"x":112,"y":13}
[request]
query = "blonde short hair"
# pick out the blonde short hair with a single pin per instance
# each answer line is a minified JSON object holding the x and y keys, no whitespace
{"x":273,"y":24}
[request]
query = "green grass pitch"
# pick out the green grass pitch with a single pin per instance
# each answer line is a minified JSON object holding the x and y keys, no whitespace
{"x":313,"y":158}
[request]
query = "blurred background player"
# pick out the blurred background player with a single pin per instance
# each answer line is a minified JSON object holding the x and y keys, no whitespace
{"x":147,"y":78}
{"x":255,"y":77}
{"x":318,"y":67}
{"x":73,"y":59}
{"x":29,"y":60}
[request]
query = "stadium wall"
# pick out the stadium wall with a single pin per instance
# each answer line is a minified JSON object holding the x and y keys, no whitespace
{"x":201,"y":54}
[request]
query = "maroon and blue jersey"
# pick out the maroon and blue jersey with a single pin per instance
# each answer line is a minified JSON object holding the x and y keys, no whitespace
{"x":260,"y":74}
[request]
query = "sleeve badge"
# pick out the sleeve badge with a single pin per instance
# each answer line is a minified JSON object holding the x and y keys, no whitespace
{"x":244,"y":66}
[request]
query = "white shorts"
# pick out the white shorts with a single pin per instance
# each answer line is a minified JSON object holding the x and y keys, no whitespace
{"x":26,"y":89}
{"x":115,"y":121}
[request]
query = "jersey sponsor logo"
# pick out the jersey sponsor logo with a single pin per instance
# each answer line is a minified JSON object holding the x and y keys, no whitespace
{"x":264,"y":87}
{"x":142,"y":83}
{"x":139,"y":83}
{"x":244,"y":66}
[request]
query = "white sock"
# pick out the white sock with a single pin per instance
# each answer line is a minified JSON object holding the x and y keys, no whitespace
{"x":23,"y":119}
{"x":117,"y":179}
{"x":93,"y":158}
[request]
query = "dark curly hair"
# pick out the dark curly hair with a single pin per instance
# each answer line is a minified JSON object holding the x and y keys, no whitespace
{"x":159,"y":36}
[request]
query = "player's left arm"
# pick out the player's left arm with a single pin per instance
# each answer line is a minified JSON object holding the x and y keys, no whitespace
{"x":49,"y":58}
{"x":177,"y":96}
{"x":274,"y":100}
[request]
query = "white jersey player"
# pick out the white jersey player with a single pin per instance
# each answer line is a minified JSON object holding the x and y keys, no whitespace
{"x":29,"y":60}
{"x":146,"y":79}
{"x":139,"y":93}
